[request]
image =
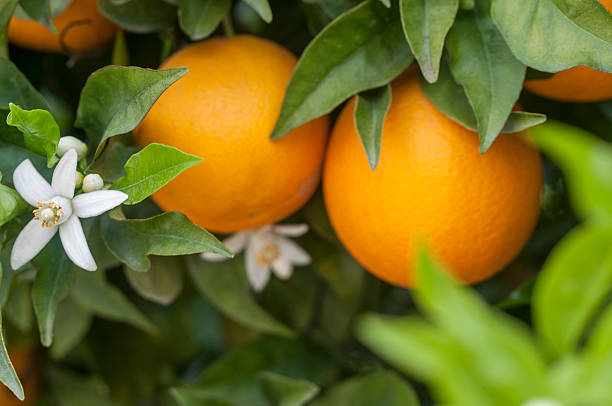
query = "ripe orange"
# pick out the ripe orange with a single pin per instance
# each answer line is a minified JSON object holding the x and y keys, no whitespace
{"x":577,"y":84}
{"x":475,"y":212}
{"x":80,"y":28}
{"x":24,"y":363}
{"x":224,"y":110}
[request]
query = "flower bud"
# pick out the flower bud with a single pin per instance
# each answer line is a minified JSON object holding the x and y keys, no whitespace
{"x":92,"y":182}
{"x":79,"y":180}
{"x":67,"y":143}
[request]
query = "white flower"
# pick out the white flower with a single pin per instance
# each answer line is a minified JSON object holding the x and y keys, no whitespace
{"x":92,"y":182}
{"x":267,"y":248}
{"x":56,"y":205}
{"x":69,"y":143}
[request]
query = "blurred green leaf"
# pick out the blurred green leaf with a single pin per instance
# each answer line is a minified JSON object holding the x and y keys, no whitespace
{"x":162,"y":283}
{"x":370,"y":111}
{"x":467,"y":4}
{"x":18,"y":309}
{"x":426,"y":23}
{"x":199,"y":18}
{"x":8,"y":376}
{"x":362,"y":49}
{"x":15,"y":88}
{"x":139,"y":16}
{"x":7,"y":7}
{"x":383,"y":388}
{"x":39,"y":11}
{"x":553,"y":35}
{"x":586,"y":162}
{"x":11,"y":204}
{"x":39,"y":128}
{"x":116,"y":98}
{"x":150,"y":169}
{"x":72,"y":323}
{"x":483,"y":64}
{"x":54,"y":280}
{"x":564,"y":300}
{"x":226,"y":286}
{"x":319,"y":13}
{"x":96,"y":295}
{"x":121,"y":53}
{"x":283,"y":391}
{"x":110,"y":164}
{"x":71,"y":389}
{"x":262,"y":7}
{"x":131,"y":241}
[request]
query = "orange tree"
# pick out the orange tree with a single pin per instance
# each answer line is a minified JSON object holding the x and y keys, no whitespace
{"x":411,"y":202}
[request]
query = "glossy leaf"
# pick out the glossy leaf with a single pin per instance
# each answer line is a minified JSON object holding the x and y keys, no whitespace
{"x":483,"y":64}
{"x":39,"y":128}
{"x":8,"y":376}
{"x":150,"y":169}
{"x":370,"y":111}
{"x":262,"y":7}
{"x":425,"y":24}
{"x":139,"y":16}
{"x":283,"y":391}
{"x":131,"y":241}
{"x":162,"y":283}
{"x":72,"y":323}
{"x":7,"y":7}
{"x":116,"y":98}
{"x":54,"y":280}
{"x":564,"y":300}
{"x":96,"y":295}
{"x":11,"y":204}
{"x":226,"y":286}
{"x":199,"y":18}
{"x":586,"y":162}
{"x":15,"y":88}
{"x":383,"y":388}
{"x":553,"y":35}
{"x":362,"y":49}
{"x":39,"y":11}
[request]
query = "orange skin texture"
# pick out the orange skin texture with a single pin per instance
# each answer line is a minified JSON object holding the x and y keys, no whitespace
{"x":474,"y":212}
{"x":25,"y":365}
{"x":224,"y":110}
{"x":84,"y":28}
{"x":577,"y":84}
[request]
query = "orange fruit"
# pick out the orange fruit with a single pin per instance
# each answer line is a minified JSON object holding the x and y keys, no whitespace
{"x":80,"y":28}
{"x":474,"y":211}
{"x":577,"y":84}
{"x":25,"y":365}
{"x":224,"y":110}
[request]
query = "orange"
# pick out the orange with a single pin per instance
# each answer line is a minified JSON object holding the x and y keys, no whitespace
{"x":224,"y":110}
{"x":80,"y":28}
{"x":577,"y":84}
{"x":474,"y":211}
{"x":24,"y":363}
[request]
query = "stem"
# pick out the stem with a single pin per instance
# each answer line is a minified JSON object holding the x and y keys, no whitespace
{"x":227,"y":26}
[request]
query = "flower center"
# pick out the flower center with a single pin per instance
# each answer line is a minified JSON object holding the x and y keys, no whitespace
{"x":268,"y":254}
{"x":49,"y":214}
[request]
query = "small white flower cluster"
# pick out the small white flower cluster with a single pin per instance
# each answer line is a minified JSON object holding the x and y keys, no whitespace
{"x":267,"y":249}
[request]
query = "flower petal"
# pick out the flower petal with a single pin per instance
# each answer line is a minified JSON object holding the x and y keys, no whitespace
{"x":30,"y":184}
{"x":95,"y":203}
{"x":291,"y":230}
{"x":30,"y":241}
{"x":75,"y":244}
{"x":293,"y":252}
{"x":235,"y":243}
{"x":258,"y":274}
{"x":282,"y":268}
{"x":64,"y":175}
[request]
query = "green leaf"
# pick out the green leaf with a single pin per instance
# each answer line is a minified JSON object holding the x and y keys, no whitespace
{"x":370,"y":111}
{"x":553,"y":35}
{"x":72,"y":323}
{"x":467,"y":4}
{"x":262,"y":8}
{"x":426,"y":23}
{"x":283,"y":391}
{"x":483,"y":64}
{"x":18,"y":308}
{"x":11,"y":204}
{"x":39,"y":11}
{"x":54,"y":280}
{"x":319,"y":13}
{"x":162,"y":283}
{"x":226,"y":286}
{"x":150,"y":169}
{"x":8,"y":376}
{"x":121,"y":52}
{"x":199,"y":18}
{"x":15,"y":88}
{"x":96,"y":295}
{"x":362,"y":49}
{"x":116,"y":98}
{"x":565,"y":300}
{"x":131,"y":241}
{"x":383,"y":388}
{"x":110,"y":164}
{"x":139,"y":16}
{"x":586,"y":162}
{"x":39,"y":128}
{"x":387,"y":3}
{"x":71,"y":389}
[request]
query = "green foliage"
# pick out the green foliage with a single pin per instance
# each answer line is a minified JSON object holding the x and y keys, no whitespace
{"x":162,"y":283}
{"x":8,"y":376}
{"x":370,"y":110}
{"x":262,"y":7}
{"x":141,"y":16}
{"x":39,"y":11}
{"x":199,"y":18}
{"x":11,"y":204}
